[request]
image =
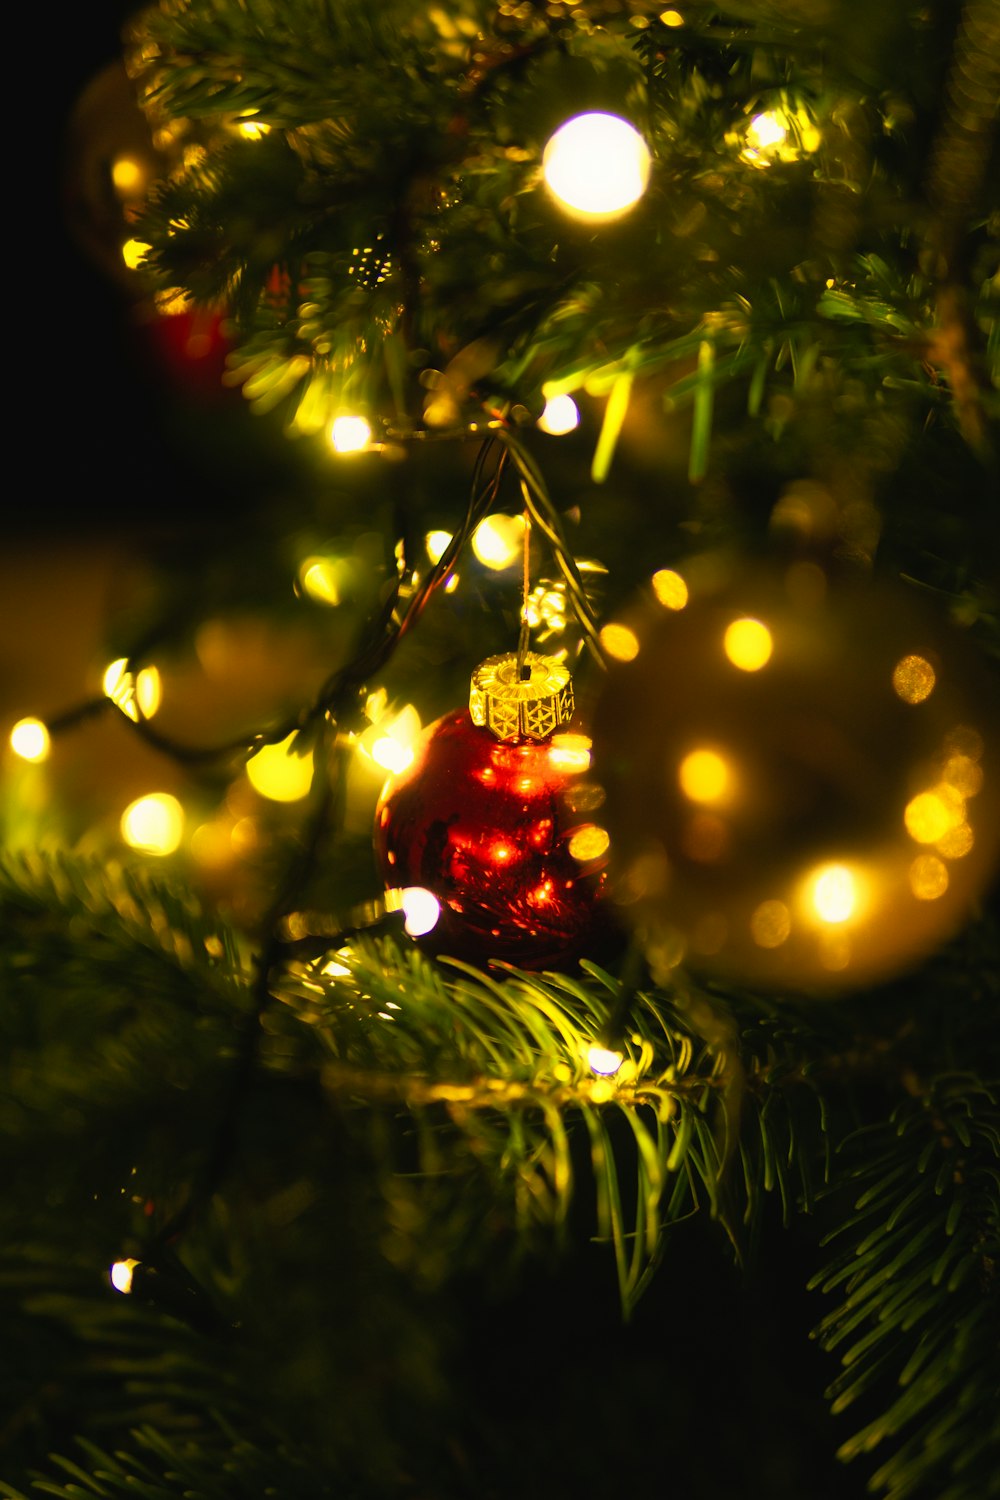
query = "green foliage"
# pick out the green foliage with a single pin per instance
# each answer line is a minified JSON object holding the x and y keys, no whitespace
{"x":916,"y":1275}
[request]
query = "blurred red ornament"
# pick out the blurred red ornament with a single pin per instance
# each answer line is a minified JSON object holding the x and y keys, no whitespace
{"x":191,"y":344}
{"x":486,"y":839}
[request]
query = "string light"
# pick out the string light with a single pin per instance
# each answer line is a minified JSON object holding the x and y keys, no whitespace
{"x":134,"y":252}
{"x":121,"y":1275}
{"x":497,"y":541}
{"x":29,"y":739}
{"x":420,"y":908}
{"x":596,"y":165}
{"x":834,"y":894}
{"x":279,"y":775}
{"x":604,"y":1061}
{"x":154,"y":823}
{"x":748,"y":644}
{"x":350,"y":434}
{"x":391,"y":742}
{"x":561,"y":415}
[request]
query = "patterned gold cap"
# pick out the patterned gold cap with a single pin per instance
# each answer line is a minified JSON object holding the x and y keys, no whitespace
{"x":512,"y":707}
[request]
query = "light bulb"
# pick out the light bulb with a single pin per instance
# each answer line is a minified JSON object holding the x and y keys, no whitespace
{"x":561,"y":415}
{"x":350,"y":434}
{"x":596,"y":165}
{"x":29,"y":739}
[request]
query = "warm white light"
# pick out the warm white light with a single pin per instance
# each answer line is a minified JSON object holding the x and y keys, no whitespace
{"x":134,"y":252}
{"x":670,"y":589}
{"x":127,"y":176}
{"x":278,"y":774}
{"x":561,"y":415}
{"x":121,"y":1275}
{"x":420,"y":908}
{"x":704,"y":776}
{"x":834,"y":894}
{"x":437,"y":543}
{"x":620,"y":642}
{"x":154,"y":824}
{"x":767,"y":130}
{"x":29,"y":739}
{"x":148,"y":691}
{"x":597,"y":165}
{"x":391,"y":743}
{"x":748,"y":644}
{"x":350,"y":434}
{"x":253,"y":130}
{"x":498,"y":541}
{"x":604,"y":1061}
{"x":318,"y":579}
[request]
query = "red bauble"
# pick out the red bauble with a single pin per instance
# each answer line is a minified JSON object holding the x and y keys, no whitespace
{"x":498,"y":832}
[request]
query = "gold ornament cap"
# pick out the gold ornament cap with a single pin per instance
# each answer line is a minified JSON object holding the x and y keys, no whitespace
{"x":521,"y":703}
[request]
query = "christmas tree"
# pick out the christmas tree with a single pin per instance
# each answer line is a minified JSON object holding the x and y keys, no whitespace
{"x":374,"y":1043}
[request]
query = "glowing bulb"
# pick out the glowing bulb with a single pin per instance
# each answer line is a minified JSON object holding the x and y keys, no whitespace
{"x":930,"y":816}
{"x":279,"y":775}
{"x":748,"y":644}
{"x":670,"y":589}
{"x":29,"y":739}
{"x":391,"y":743}
{"x":561,"y":415}
{"x":498,"y":541}
{"x":704,"y":776}
{"x":121,"y":1274}
{"x":671,"y":18}
{"x":350,"y":434}
{"x":437,"y":543}
{"x":154,"y":823}
{"x":604,"y":1061}
{"x":913,"y":679}
{"x":134,"y":252}
{"x":596,"y":165}
{"x":148,"y":691}
{"x":620,"y":642}
{"x":589,"y":842}
{"x":253,"y":130}
{"x":420,"y":908}
{"x":928,"y":877}
{"x":834,"y":893}
{"x":570,"y":752}
{"x":127,"y":176}
{"x":770,"y":924}
{"x":767,"y":131}
{"x":318,"y":579}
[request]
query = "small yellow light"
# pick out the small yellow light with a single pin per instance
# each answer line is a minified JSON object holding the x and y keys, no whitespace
{"x":148,"y":691}
{"x":121,"y":1275}
{"x":767,"y":130}
{"x":127,"y":176}
{"x":570,"y":752}
{"x":604,"y":1061}
{"x":561,"y":415}
{"x":620,"y":642}
{"x":748,"y":644}
{"x":436,"y":543}
{"x":350,"y":434}
{"x":704,"y":776}
{"x":318,"y":579}
{"x":928,"y":877}
{"x":279,"y":775}
{"x":670,"y":589}
{"x":134,"y":252}
{"x":391,"y":755}
{"x":671,"y":18}
{"x":391,"y":743}
{"x":154,"y":824}
{"x":770,"y":924}
{"x":596,"y":165}
{"x":834,"y":893}
{"x":334,"y":969}
{"x":963,"y":775}
{"x":913,"y":679}
{"x":420,"y":908}
{"x":931,"y":815}
{"x":589,"y":842}
{"x":498,"y":541}
{"x":253,"y":130}
{"x":957,"y":842}
{"x":29,"y":739}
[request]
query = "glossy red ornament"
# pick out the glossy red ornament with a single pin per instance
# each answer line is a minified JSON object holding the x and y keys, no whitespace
{"x":498,"y":832}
